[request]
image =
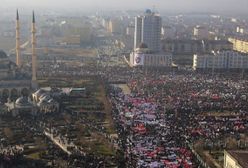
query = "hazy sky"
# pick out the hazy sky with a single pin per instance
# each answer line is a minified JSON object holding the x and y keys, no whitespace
{"x":170,"y":5}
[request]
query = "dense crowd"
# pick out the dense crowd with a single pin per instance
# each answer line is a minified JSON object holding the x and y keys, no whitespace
{"x":166,"y":112}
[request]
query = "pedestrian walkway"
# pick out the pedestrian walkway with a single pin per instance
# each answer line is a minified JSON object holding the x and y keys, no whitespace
{"x":56,"y":141}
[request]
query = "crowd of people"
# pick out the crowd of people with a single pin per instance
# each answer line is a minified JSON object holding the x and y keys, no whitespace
{"x":10,"y":152}
{"x":151,"y":140}
{"x":177,"y":106}
{"x":166,"y":112}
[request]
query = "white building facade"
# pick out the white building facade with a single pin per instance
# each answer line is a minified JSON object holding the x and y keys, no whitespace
{"x":221,"y":60}
{"x":143,"y":57}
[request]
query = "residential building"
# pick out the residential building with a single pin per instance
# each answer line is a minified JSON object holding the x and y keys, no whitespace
{"x":239,"y":44}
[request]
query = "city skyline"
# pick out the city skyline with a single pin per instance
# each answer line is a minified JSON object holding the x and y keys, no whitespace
{"x":161,"y":5}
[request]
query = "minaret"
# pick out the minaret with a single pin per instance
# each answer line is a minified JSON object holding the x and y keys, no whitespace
{"x":18,"y":53}
{"x":34,"y":59}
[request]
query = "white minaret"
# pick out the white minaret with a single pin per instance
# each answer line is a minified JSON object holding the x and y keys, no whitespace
{"x":34,"y":59}
{"x":18,"y":52}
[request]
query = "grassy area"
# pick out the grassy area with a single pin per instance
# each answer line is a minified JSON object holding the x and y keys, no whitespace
{"x":210,"y":160}
{"x":60,"y":82}
{"x":8,"y":133}
{"x":102,"y":149}
{"x":218,"y":156}
{"x":107,"y":108}
{"x":35,"y":156}
{"x":96,"y":144}
{"x":95,"y":107}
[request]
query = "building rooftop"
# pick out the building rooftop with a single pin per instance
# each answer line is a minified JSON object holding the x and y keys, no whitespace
{"x":240,"y":156}
{"x":241,"y":38}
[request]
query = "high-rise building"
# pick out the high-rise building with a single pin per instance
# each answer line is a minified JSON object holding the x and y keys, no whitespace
{"x":148,"y":31}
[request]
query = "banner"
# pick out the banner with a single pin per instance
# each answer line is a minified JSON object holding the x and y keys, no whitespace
{"x":138,"y":59}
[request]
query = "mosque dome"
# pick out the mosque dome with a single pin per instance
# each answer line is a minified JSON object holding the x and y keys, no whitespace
{"x":44,"y":100}
{"x":3,"y":55}
{"x":39,"y":92}
{"x":23,"y":101}
{"x":44,"y":96}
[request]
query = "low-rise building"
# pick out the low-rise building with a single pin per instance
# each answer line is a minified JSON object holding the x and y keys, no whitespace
{"x":239,"y":44}
{"x":45,"y":102}
{"x":143,"y":56}
{"x":221,"y":60}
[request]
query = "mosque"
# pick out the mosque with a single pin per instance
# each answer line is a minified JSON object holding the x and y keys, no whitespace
{"x":13,"y":81}
{"x":16,"y":85}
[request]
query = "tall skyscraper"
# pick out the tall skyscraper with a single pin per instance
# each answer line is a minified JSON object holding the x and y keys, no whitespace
{"x":148,"y":30}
